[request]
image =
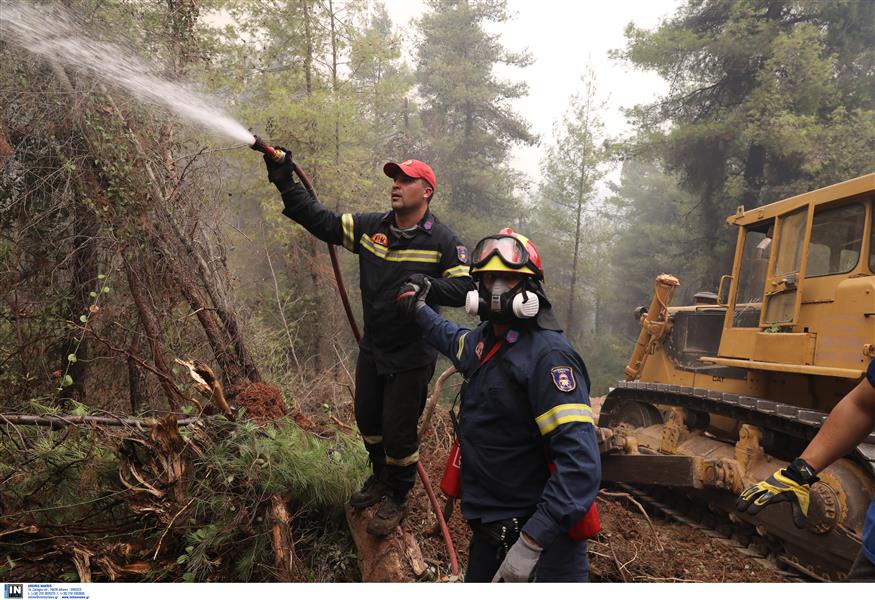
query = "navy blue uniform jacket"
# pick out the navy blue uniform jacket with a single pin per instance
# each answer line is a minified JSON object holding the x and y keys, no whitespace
{"x":385,"y":261}
{"x":528,"y":402}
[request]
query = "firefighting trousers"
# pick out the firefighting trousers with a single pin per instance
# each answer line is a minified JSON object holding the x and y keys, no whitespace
{"x":565,"y":560}
{"x":387,"y":410}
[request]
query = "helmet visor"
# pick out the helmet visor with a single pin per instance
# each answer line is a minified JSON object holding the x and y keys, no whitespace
{"x":509,"y":249}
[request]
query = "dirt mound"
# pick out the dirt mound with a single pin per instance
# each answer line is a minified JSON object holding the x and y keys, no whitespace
{"x":262,"y":402}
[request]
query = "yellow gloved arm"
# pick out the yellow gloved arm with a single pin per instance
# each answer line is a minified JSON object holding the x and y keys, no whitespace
{"x":792,"y":484}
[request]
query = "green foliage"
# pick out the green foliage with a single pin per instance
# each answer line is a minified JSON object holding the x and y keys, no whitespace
{"x":766,"y":100}
{"x":466,"y":113}
{"x":245,"y":464}
{"x":658,"y":233}
{"x":285,"y":459}
{"x":223,"y":529}
{"x":569,"y":223}
{"x":68,"y":469}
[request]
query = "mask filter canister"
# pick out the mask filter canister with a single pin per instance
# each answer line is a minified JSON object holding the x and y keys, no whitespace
{"x":472,"y":303}
{"x":525,"y":305}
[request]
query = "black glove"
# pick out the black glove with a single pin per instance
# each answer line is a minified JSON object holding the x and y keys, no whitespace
{"x":280,"y":173}
{"x":413,"y":293}
{"x":792,"y":485}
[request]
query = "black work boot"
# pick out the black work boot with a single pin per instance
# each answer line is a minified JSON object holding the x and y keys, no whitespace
{"x":388,"y":517}
{"x":372,"y":492}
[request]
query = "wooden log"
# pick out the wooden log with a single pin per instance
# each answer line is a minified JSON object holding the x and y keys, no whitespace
{"x":61,"y":421}
{"x":394,"y":558}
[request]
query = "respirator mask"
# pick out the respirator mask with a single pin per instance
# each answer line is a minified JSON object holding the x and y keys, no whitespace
{"x":503,"y":303}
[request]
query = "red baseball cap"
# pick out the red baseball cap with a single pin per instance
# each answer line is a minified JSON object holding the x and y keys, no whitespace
{"x":412,"y":168}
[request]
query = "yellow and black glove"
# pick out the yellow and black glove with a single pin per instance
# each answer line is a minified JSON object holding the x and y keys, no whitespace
{"x":792,"y":485}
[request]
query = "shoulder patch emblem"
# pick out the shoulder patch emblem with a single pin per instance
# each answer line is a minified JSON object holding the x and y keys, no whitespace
{"x":462,"y":254}
{"x":563,"y":378}
{"x":380,"y":239}
{"x":478,"y":349}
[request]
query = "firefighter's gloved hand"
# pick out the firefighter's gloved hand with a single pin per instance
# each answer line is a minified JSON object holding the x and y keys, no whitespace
{"x":411,"y":296}
{"x":280,"y":173}
{"x":519,"y":564}
{"x":792,"y":485}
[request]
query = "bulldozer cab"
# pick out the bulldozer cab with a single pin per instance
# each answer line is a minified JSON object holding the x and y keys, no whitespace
{"x":801,"y":295}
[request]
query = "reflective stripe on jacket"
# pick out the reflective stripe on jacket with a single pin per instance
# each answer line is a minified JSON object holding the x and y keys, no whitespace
{"x":525,"y":406}
{"x":385,"y":261}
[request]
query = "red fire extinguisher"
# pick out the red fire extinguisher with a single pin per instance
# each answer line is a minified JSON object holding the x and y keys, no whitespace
{"x":451,"y":482}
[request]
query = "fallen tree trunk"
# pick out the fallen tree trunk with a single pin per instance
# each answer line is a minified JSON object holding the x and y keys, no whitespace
{"x":394,"y":558}
{"x":59,"y":421}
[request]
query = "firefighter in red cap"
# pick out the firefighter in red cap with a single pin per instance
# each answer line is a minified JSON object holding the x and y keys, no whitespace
{"x":530,"y":466}
{"x":397,"y":250}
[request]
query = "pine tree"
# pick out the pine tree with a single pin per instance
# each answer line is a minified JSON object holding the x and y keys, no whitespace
{"x":572,"y":168}
{"x":767,"y":99}
{"x":469,"y":124}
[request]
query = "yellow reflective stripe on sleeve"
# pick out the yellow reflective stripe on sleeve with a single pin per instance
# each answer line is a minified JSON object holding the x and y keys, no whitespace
{"x":564,"y":413}
{"x":347,"y":221}
{"x":426,"y":256}
{"x":373,"y":439}
{"x":461,"y":347}
{"x":403,"y":462}
{"x":457,"y":271}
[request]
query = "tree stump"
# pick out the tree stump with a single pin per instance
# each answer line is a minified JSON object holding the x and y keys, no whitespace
{"x":394,"y":558}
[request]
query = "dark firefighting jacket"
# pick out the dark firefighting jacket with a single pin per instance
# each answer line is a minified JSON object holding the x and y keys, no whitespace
{"x":385,"y":262}
{"x":525,"y":407}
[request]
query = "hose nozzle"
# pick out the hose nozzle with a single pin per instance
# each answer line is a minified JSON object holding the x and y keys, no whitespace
{"x":261,"y":146}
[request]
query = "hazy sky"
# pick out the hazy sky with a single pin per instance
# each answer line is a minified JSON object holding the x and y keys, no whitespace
{"x":562,"y":36}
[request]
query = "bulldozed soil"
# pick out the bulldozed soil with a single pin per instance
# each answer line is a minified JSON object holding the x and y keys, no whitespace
{"x":627,"y":550}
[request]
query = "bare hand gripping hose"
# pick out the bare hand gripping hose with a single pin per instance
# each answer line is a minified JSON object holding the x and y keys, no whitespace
{"x":332,"y":251}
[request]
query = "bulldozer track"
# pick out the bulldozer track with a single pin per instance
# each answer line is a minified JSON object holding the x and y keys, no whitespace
{"x":743,"y":540}
{"x":801,"y":423}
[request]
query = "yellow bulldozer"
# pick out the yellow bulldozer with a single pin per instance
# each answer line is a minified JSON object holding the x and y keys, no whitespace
{"x":720,"y":394}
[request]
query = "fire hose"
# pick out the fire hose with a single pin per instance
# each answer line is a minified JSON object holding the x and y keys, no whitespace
{"x":279,"y":155}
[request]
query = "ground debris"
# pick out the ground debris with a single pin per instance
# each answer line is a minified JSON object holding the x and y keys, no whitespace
{"x":209,"y":502}
{"x":625,"y":550}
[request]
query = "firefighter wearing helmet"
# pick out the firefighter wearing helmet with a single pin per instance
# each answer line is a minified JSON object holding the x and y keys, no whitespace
{"x":530,"y":465}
